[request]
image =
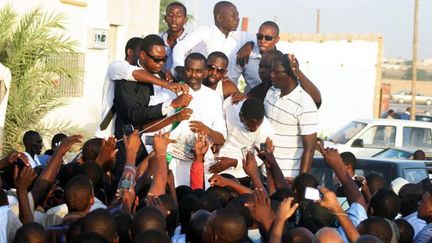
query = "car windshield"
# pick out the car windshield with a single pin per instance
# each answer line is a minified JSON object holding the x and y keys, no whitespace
{"x":347,"y":132}
{"x":393,"y":154}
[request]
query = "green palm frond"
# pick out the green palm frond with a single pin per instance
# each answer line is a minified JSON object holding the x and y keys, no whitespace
{"x":30,"y":45}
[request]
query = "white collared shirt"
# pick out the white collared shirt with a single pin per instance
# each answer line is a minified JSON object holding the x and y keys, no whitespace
{"x":250,"y":71}
{"x":33,"y":161}
{"x":208,"y":39}
{"x":164,"y":35}
{"x":292,"y":116}
{"x":239,"y":137}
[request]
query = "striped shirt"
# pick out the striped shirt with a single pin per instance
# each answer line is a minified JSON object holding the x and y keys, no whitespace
{"x":292,"y":116}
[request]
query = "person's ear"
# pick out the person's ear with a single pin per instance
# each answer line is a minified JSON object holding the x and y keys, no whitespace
{"x":218,"y":18}
{"x":130,"y":52}
{"x":277,"y":39}
{"x":165,"y":18}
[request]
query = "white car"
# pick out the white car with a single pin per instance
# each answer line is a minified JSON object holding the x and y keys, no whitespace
{"x":366,"y":137}
{"x":405,"y":97}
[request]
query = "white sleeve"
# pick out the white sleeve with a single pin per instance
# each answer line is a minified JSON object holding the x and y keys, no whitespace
{"x":219,"y":124}
{"x":189,"y":42}
{"x":121,"y":70}
{"x":266,"y":130}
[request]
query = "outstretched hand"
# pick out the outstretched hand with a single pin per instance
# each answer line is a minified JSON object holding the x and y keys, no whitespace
{"x":67,"y":143}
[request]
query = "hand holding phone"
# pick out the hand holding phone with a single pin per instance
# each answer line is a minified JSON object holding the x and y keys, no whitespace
{"x":128,"y":129}
{"x":312,"y":194}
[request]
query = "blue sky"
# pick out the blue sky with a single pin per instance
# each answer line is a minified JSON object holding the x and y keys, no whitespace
{"x":392,"y":18}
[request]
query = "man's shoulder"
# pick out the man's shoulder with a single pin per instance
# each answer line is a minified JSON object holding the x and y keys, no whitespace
{"x":304,"y":99}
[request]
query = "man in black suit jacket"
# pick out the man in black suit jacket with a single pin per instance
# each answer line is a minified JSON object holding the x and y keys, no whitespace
{"x":131,"y":99}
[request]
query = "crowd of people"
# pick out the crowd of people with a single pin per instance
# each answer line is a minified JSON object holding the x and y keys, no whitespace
{"x":192,"y":158}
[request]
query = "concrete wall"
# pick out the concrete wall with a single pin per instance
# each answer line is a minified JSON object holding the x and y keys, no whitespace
{"x":131,"y":17}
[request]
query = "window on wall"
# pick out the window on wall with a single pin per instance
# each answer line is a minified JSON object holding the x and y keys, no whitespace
{"x":67,"y":86}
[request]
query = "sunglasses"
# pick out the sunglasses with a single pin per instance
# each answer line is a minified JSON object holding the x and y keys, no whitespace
{"x":213,"y":67}
{"x":155,"y":59}
{"x":265,"y":37}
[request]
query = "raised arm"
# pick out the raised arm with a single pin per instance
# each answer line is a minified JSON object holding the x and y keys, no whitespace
{"x":197,"y":168}
{"x":23,"y":179}
{"x":330,"y":202}
{"x":306,"y":84}
{"x":48,"y":176}
{"x":218,"y":180}
{"x":251,"y":169}
{"x":335,"y":162}
{"x":160,"y":144}
{"x":285,"y":211}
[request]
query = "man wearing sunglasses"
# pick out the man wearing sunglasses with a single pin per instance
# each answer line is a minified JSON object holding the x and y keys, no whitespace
{"x":217,"y":64}
{"x":222,"y":36}
{"x":132,"y":99}
{"x":267,"y":37}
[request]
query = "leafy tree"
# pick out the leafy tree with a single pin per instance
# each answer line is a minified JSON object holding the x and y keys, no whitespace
{"x":421,"y":74}
{"x":28,"y":46}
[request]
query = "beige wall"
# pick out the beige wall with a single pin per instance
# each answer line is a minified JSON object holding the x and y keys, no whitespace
{"x":423,"y":87}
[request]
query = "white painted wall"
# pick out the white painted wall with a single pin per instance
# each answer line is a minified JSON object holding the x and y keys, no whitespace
{"x":344,"y":72}
{"x":133,"y":18}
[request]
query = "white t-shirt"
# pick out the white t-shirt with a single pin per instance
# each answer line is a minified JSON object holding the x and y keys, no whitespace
{"x":292,"y":116}
{"x":239,"y":137}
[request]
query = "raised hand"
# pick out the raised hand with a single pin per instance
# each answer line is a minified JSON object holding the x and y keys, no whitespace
{"x":287,"y":208}
{"x":329,"y":200}
{"x":261,"y":209}
{"x":67,"y":143}
{"x":107,"y":151}
{"x":201,"y":146}
{"x":157,"y":203}
{"x":250,"y":165}
{"x":132,"y":143}
{"x":24,"y":177}
{"x":222,"y":164}
{"x":160,"y":143}
{"x":295,"y":68}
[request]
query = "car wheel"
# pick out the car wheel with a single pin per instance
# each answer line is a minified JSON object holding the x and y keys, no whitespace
{"x":428,"y":102}
{"x":401,"y":101}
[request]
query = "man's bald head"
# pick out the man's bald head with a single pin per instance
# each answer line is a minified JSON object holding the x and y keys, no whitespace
{"x":148,"y":218}
{"x":327,"y":234}
{"x":298,"y":235}
{"x":225,"y":225}
{"x":221,"y":6}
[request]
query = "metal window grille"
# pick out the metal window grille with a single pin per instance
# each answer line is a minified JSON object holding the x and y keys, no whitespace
{"x":67,"y":86}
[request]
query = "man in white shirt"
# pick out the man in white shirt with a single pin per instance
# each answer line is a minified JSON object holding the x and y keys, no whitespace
{"x":207,"y":116}
{"x":33,"y":147}
{"x":247,"y":127}
{"x":128,"y":70}
{"x":222,"y":36}
{"x":267,"y":38}
{"x":293,"y":115}
{"x":175,"y":18}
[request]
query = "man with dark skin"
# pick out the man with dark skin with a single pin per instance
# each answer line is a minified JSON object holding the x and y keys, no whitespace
{"x":33,"y":147}
{"x":225,"y":226}
{"x":217,"y":64}
{"x":207,"y":116}
{"x":222,"y":36}
{"x":175,"y":18}
{"x":425,"y":213}
{"x":131,"y":99}
{"x":248,"y":61}
{"x":287,"y":103}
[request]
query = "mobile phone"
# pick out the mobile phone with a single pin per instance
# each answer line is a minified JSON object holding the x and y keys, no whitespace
{"x":263,"y":146}
{"x":20,"y":163}
{"x":148,"y":140}
{"x":244,"y":151}
{"x":128,"y":129}
{"x":312,"y":194}
{"x":126,"y":184}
